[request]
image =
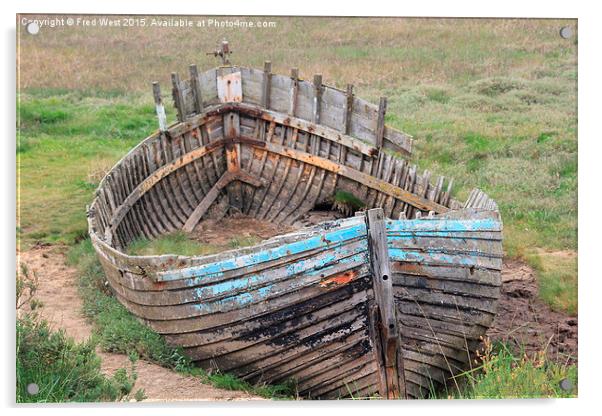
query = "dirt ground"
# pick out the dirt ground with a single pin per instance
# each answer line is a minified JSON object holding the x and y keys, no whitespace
{"x":523,"y":319}
{"x":220,"y":232}
{"x":61,"y":307}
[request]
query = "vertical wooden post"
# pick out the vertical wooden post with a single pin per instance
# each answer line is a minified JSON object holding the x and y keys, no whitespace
{"x":159,"y":107}
{"x":380,"y":124}
{"x":317,"y":98}
{"x":317,"y":107}
{"x":195,"y":83}
{"x":225,"y":51}
{"x":387,"y":327}
{"x":346,"y":121}
{"x":294,"y":91}
{"x":178,"y":98}
{"x":348,"y":108}
{"x":231,"y":132}
{"x":267,"y":84}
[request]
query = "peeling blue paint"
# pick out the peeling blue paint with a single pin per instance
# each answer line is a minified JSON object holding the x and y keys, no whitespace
{"x":301,"y":268}
{"x":262,"y":293}
{"x":432,"y":256}
{"x":444,"y":225}
{"x":318,"y":241}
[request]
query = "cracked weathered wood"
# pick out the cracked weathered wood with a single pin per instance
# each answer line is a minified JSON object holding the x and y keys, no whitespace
{"x":387,"y":326}
{"x":159,"y":108}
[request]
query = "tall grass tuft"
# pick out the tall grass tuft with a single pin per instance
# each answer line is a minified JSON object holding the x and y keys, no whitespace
{"x":63,"y":370}
{"x":504,"y":375}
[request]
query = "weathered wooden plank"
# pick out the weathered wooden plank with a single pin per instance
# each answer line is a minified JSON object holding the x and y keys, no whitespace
{"x":348,"y":109}
{"x":213,"y":193}
{"x":362,"y":178}
{"x":243,"y":306}
{"x":397,"y":141}
{"x":231,"y":132}
{"x":266,"y":84}
{"x":195,"y":82}
{"x":159,"y":108}
{"x":248,"y":260}
{"x":156,"y":177}
{"x":158,"y":210}
{"x":383,"y":295}
{"x":179,"y":198}
{"x":178,"y":98}
{"x":380,"y":122}
{"x":294,"y":91}
{"x":308,"y":358}
{"x":276,"y":117}
{"x":229,"y":86}
{"x":335,"y":326}
{"x":317,"y":103}
{"x":334,"y":301}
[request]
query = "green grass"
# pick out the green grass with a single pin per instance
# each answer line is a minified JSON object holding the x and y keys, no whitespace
{"x":503,"y":375}
{"x":65,"y":144}
{"x":63,"y":370}
{"x":184,"y":244}
{"x":557,"y":273}
{"x":175,"y":243}
{"x":119,"y":331}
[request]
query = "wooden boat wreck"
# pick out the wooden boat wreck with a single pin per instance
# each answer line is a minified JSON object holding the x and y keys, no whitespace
{"x":389,"y":302}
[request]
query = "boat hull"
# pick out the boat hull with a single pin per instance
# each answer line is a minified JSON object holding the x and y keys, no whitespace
{"x":389,"y":303}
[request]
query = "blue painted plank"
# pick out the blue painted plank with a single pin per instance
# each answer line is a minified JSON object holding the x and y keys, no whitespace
{"x":319,"y":241}
{"x":444,"y":226}
{"x":263,"y":293}
{"x":429,"y":256}
{"x":274,"y":275}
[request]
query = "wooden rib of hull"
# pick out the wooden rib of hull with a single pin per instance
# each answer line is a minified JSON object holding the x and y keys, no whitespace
{"x":307,"y":306}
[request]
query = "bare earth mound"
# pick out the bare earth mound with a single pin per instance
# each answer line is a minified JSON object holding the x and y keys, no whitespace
{"x":524,"y":320}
